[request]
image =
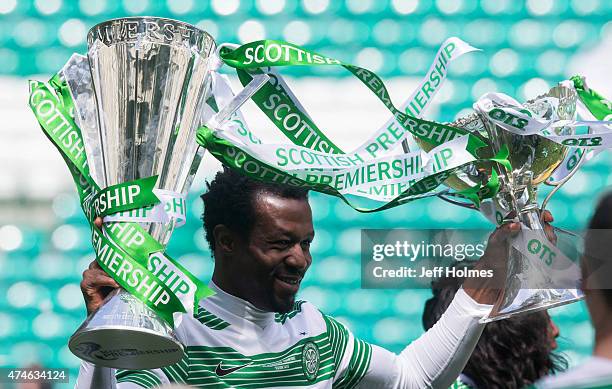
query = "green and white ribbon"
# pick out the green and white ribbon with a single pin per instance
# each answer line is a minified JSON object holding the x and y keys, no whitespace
{"x":342,"y":174}
{"x":391,"y":133}
{"x":135,"y":277}
{"x":597,"y":105}
{"x":120,"y":197}
{"x":124,"y":250}
{"x":557,"y":270}
{"x":251,"y":163}
{"x":291,"y":157}
{"x":513,"y":117}
{"x":290,"y":120}
{"x":590,"y":106}
{"x":182,"y":284}
{"x":317,"y":167}
{"x":315,"y":160}
{"x":172,"y":206}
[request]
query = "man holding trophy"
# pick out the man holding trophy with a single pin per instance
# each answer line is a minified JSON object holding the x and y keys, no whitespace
{"x":254,"y":334}
{"x":135,"y":103}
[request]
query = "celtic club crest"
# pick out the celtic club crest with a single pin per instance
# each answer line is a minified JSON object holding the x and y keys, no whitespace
{"x":310,"y":360}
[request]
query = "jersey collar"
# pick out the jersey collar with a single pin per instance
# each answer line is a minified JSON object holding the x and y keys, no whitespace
{"x":238,"y":308}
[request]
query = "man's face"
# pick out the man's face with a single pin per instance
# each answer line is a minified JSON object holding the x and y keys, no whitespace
{"x":553,"y":331}
{"x":274,"y":258}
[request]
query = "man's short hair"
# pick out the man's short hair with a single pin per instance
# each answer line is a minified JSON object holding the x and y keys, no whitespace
{"x":229,"y":201}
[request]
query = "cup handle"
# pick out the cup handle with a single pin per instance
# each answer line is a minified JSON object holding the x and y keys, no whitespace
{"x":249,"y":90}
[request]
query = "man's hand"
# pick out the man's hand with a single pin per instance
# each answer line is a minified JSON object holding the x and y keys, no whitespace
{"x":547,"y":218}
{"x":485,"y":290}
{"x":96,"y":284}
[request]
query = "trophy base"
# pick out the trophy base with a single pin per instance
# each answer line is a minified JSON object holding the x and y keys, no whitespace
{"x":125,"y":348}
{"x":541,"y":299}
{"x":126,"y":334}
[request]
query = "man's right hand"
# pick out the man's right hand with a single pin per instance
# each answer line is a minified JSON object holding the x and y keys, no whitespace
{"x":96,"y":284}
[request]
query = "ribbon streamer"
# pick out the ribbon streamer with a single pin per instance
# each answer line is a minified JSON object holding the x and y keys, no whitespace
{"x":124,"y":250}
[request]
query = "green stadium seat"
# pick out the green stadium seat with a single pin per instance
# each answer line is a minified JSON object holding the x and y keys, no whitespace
{"x":328,"y":300}
{"x":410,"y":302}
{"x":337,"y":271}
{"x":28,"y":353}
{"x":68,"y":298}
{"x":52,"y":266}
{"x":199,"y":263}
{"x":9,"y":324}
{"x":364,"y":302}
{"x":64,"y":357}
{"x":323,"y":244}
{"x":395,"y":331}
{"x":48,"y":325}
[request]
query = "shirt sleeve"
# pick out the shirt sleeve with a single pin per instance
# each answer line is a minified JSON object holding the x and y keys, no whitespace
{"x":351,"y":355}
{"x":92,"y":376}
{"x":434,"y":360}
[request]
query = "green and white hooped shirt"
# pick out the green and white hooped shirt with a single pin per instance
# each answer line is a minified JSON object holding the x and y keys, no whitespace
{"x":231,"y":344}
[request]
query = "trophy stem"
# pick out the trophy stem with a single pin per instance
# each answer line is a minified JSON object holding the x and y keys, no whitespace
{"x":531,"y":217}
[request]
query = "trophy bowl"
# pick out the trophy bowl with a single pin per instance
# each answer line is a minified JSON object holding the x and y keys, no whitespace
{"x":533,"y":158}
{"x":530,"y":153}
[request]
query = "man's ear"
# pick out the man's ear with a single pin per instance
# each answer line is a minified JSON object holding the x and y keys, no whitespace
{"x":224,"y":238}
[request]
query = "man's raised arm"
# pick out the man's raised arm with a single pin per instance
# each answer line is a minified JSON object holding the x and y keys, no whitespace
{"x":437,"y":358}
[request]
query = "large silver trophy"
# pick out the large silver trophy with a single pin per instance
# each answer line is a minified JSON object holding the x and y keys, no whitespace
{"x":138,"y":97}
{"x":529,"y":284}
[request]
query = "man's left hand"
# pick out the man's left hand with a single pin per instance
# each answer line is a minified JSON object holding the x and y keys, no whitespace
{"x":485,"y":290}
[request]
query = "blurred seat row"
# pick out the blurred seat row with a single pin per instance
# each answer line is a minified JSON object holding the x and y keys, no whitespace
{"x":395,"y":37}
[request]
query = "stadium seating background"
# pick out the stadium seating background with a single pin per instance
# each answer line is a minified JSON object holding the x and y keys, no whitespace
{"x":527,"y":46}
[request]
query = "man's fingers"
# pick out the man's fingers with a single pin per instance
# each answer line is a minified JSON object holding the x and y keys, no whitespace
{"x":98,"y":222}
{"x":94,"y":265}
{"x":504,"y":232}
{"x":549,"y":231}
{"x":547,"y":217}
{"x":94,"y":278}
{"x":104,"y":280}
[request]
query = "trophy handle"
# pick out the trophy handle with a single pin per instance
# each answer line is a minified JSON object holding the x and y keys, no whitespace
{"x":249,"y":90}
{"x":560,"y":183}
{"x":456,"y":202}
